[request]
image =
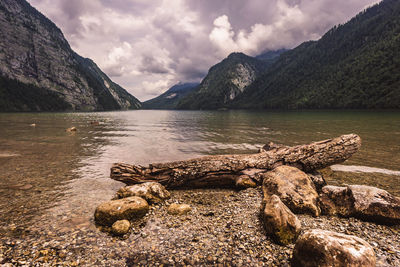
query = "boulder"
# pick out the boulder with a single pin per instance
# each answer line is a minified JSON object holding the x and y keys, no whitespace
{"x":152,"y":192}
{"x":374,"y":204}
{"x":336,"y":200}
{"x":279,"y":221}
{"x":293,"y":187}
{"x":320,"y":248}
{"x":244,"y":181}
{"x":120,"y":227}
{"x":179,"y":209}
{"x":129,"y":208}
{"x":361,"y":201}
{"x":318,"y":180}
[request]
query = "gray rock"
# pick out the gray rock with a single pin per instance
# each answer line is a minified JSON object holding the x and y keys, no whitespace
{"x":279,"y":221}
{"x":122,"y":209}
{"x":322,"y":248}
{"x":152,"y":192}
{"x":293,"y":187}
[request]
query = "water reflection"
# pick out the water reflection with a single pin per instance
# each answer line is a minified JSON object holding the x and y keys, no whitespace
{"x":49,"y":172}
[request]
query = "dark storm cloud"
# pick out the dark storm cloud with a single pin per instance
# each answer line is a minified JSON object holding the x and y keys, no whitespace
{"x":152,"y":65}
{"x":147,"y":46}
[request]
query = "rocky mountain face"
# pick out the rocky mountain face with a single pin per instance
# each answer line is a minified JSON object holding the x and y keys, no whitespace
{"x":354,"y":65}
{"x":39,"y":70}
{"x":224,"y":82}
{"x":171,"y":97}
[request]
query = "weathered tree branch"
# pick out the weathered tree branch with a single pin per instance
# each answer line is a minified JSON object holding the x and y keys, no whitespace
{"x":224,"y":170}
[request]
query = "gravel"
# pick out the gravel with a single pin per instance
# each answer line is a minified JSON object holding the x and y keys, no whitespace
{"x":222,"y":229}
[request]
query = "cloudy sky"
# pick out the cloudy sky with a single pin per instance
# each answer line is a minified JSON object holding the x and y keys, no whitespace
{"x":149,"y":45}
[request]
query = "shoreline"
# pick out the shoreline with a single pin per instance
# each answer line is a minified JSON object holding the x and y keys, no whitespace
{"x":223,"y":229}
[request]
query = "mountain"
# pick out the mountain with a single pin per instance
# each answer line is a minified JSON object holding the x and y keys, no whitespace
{"x":354,"y":65}
{"x":224,"y":82}
{"x":171,"y":97}
{"x":271,"y":57}
{"x":40,"y":72}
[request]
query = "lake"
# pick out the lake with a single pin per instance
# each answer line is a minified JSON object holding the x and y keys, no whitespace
{"x":47,"y":172}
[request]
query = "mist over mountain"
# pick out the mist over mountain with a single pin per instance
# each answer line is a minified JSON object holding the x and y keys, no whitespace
{"x":171,"y":97}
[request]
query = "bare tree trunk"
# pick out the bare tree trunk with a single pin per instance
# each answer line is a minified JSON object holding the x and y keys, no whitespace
{"x":224,"y":170}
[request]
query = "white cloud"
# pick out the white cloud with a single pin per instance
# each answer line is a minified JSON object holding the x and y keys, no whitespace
{"x":147,"y":46}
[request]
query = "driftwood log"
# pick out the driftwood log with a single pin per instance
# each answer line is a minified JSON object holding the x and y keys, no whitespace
{"x":225,"y":170}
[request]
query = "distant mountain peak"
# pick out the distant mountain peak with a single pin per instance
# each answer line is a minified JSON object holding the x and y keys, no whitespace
{"x":170,"y":98}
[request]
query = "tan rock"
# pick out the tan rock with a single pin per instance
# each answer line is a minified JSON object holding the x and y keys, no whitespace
{"x":279,"y":221}
{"x":318,"y":180}
{"x":152,"y":192}
{"x":121,"y":209}
{"x":336,"y":200}
{"x":319,"y":248}
{"x":179,"y":209}
{"x":72,"y":129}
{"x":374,"y":204}
{"x":121,"y":227}
{"x":293,"y":187}
{"x":244,"y":181}
{"x":361,"y":201}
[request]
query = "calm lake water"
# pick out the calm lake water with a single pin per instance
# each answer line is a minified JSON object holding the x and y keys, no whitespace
{"x":47,"y":172}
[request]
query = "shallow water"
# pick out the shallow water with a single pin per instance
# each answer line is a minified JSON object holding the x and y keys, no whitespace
{"x":47,"y":172}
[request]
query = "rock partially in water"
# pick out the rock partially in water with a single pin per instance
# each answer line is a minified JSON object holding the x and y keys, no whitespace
{"x":129,"y":208}
{"x":320,"y":248}
{"x":375,"y":204}
{"x":152,"y":192}
{"x":179,"y":209}
{"x":72,"y":129}
{"x":121,"y":227}
{"x":279,"y":221}
{"x":244,"y":181}
{"x":361,"y":201}
{"x":293,"y":187}
{"x":318,"y":180}
{"x":336,"y":200}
